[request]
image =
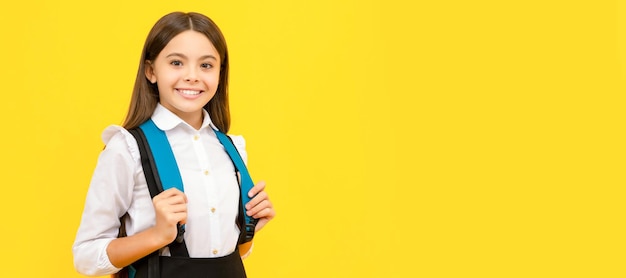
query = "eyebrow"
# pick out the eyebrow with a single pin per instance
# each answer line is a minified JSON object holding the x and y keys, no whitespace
{"x":183,"y":56}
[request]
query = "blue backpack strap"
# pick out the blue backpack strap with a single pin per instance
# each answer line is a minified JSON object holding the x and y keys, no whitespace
{"x":163,"y":156}
{"x":154,"y":186}
{"x":246,"y":182}
{"x":157,"y":155}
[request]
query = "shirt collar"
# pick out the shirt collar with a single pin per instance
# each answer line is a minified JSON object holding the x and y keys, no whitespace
{"x":166,"y":119}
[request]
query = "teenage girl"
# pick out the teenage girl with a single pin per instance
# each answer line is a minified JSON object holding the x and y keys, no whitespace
{"x":182,"y":85}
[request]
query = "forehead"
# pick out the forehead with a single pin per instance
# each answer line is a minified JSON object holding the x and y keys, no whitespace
{"x":191,"y":44}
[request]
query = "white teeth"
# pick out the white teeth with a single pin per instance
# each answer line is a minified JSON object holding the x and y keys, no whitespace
{"x":189,"y":92}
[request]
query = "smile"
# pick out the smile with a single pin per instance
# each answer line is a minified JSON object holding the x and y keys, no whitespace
{"x":190,"y":92}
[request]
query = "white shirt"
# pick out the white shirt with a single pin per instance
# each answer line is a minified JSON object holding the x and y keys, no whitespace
{"x":118,"y":186}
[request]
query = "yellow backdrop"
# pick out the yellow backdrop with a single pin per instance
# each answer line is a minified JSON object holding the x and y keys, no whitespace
{"x":438,"y":139}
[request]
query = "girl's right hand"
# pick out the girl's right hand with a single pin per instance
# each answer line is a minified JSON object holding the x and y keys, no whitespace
{"x":170,"y":207}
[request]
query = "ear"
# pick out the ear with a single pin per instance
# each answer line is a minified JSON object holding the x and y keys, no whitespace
{"x":150,"y":72}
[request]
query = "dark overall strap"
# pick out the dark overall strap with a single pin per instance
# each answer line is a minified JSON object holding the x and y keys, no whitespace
{"x":246,"y":183}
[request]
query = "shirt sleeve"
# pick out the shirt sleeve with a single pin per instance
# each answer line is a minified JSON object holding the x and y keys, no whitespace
{"x":108,"y":198}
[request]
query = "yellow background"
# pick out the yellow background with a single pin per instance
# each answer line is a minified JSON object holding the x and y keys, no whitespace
{"x":433,"y":139}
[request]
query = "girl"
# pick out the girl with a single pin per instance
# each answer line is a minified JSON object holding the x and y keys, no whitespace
{"x":182,"y":86}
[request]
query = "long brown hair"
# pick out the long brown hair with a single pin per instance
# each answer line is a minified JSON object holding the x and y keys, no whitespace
{"x":146,"y":95}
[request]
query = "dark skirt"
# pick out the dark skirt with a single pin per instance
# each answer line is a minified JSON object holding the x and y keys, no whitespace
{"x":229,"y":266}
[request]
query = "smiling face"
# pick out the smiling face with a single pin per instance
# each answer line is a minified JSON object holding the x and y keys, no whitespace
{"x":187,"y":73}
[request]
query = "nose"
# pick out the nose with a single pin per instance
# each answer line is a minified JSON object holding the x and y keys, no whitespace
{"x":191,"y":76}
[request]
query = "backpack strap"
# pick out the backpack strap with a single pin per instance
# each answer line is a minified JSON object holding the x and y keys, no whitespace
{"x":155,"y":186}
{"x":147,"y":162}
{"x":162,"y":156}
{"x":246,"y":184}
{"x":161,"y":172}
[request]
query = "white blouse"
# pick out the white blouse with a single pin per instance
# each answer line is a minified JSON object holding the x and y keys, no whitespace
{"x":118,"y":186}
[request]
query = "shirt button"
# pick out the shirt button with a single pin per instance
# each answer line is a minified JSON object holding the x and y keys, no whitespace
{"x":214,"y":251}
{"x":206,"y":172}
{"x":213,"y":210}
{"x":196,"y":137}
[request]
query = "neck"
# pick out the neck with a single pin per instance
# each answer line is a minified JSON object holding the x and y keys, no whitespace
{"x":192,"y":119}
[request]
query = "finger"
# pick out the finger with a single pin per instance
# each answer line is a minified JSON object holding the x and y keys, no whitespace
{"x":174,"y":192}
{"x":173,"y":214}
{"x":169,"y":193}
{"x":177,"y":198}
{"x":258,"y":187}
{"x":181,"y":217}
{"x":176,"y":217}
{"x":260,"y":197}
{"x":259,"y":207}
{"x":263,"y":221}
{"x":163,"y":208}
{"x":177,"y":208}
{"x":169,"y":205}
{"x":264,"y":213}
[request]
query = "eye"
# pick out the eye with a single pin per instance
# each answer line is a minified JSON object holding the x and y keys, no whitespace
{"x":206,"y":66}
{"x":176,"y":63}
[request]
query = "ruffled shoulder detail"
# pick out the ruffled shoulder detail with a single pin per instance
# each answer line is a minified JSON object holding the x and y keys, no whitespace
{"x":117,"y":136}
